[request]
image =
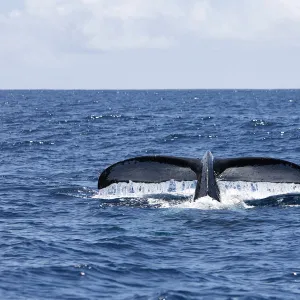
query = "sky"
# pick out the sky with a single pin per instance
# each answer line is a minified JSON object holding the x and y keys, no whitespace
{"x":149,"y":44}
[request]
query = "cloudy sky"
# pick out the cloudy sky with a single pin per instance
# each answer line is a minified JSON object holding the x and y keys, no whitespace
{"x":116,"y":44}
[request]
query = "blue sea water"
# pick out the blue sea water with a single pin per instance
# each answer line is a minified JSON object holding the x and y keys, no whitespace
{"x":61,"y":240}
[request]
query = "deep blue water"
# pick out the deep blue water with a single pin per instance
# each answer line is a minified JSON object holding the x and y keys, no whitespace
{"x":59,"y":241}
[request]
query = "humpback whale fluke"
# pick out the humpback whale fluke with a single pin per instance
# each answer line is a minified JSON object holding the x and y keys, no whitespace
{"x":207,"y":171}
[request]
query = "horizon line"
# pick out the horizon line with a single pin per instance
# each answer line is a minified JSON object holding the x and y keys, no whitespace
{"x":144,"y":89}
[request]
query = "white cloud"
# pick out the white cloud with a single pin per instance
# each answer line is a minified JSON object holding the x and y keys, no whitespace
{"x":124,"y":24}
{"x":51,"y":33}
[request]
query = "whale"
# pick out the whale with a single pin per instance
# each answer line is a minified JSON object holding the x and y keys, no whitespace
{"x":207,"y":171}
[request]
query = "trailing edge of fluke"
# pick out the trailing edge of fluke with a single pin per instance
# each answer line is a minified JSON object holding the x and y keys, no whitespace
{"x":207,"y":171}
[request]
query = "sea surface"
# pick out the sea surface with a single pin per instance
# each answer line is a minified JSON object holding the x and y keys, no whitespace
{"x":61,"y":239}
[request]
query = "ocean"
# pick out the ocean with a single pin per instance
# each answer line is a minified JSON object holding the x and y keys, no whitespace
{"x":61,"y":239}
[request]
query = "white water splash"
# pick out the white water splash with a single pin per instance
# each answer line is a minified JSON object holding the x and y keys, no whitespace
{"x":136,"y":190}
{"x":232,"y":194}
{"x":255,"y":190}
{"x":207,"y":203}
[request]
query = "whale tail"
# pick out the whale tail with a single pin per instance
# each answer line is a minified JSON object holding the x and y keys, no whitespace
{"x":207,"y":171}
